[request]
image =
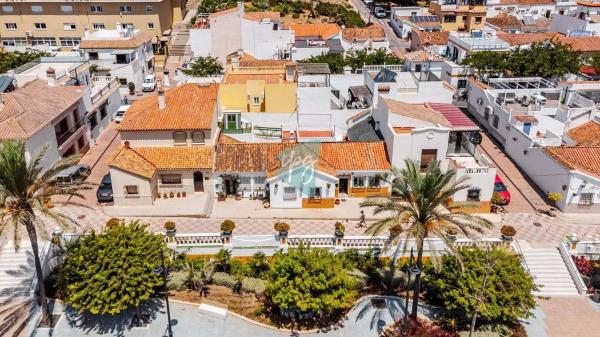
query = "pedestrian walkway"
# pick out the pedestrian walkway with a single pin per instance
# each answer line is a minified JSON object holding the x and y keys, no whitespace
{"x":569,"y":317}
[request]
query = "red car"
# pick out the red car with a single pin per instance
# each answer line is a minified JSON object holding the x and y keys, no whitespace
{"x":500,"y":188}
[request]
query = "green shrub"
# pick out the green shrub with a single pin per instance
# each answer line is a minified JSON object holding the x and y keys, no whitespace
{"x":360,"y":277}
{"x":254,"y":285}
{"x":177,"y":280}
{"x":258,"y":265}
{"x":113,"y":222}
{"x":223,"y":279}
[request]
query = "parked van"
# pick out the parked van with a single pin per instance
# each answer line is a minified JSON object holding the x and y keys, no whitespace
{"x":73,"y":174}
{"x":149,"y":83}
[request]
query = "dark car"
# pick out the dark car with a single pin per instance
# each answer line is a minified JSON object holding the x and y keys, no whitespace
{"x":105,"y":192}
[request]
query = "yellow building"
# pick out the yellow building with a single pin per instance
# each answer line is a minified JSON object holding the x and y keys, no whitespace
{"x":252,"y":85}
{"x":459,"y":15}
{"x":63,"y":23}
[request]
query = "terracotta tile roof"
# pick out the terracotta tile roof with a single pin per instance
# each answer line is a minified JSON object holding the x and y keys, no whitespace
{"x":454,"y":116}
{"x":577,"y":43}
{"x":433,"y":38}
{"x":247,"y":62}
{"x":583,"y":43}
{"x":527,"y":2}
{"x":588,"y":3}
{"x":582,"y":158}
{"x":315,"y":133}
{"x":224,"y":12}
{"x":421,"y":56}
{"x":225,"y":139}
{"x":374,"y":33}
{"x":505,"y":21}
{"x":525,"y":118}
{"x":356,"y":156}
{"x":146,"y":161}
{"x":323,"y":30}
{"x":31,"y":107}
{"x":525,"y":38}
{"x":415,"y":111}
{"x":586,"y":134}
{"x":188,"y":107}
{"x":243,"y":78}
{"x":116,"y":43}
{"x":259,"y":16}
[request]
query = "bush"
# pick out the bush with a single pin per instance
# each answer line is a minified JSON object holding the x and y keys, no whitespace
{"x":227,"y":226}
{"x":281,"y":226}
{"x":508,"y":230}
{"x":258,"y":265}
{"x":497,"y":199}
{"x":584,"y":266}
{"x":177,"y":280}
{"x":131,"y":87}
{"x":554,"y":196}
{"x":423,"y":328}
{"x":253,"y":285}
{"x":368,"y":263}
{"x":360,"y":277}
{"x":223,"y":279}
{"x":113,"y":222}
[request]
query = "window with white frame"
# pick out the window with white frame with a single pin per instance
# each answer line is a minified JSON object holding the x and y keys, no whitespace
{"x":150,"y":25}
{"x":10,"y":26}
{"x":179,"y":138}
{"x":244,"y":183}
{"x":473,"y":194}
{"x":260,"y":180}
{"x":36,"y":41}
{"x":314,"y":192}
{"x":149,"y":9}
{"x":358,"y":181}
{"x":8,"y":9}
{"x":69,"y":41}
{"x":14,"y":41}
{"x":374,"y":181}
{"x":99,"y":26}
{"x":256,"y":100}
{"x":70,"y":26}
{"x":131,"y":190}
{"x":289,"y":193}
{"x":198,"y":137}
{"x":170,"y":179}
{"x":40,"y":26}
{"x":66,"y":8}
{"x":96,"y":8}
{"x":126,"y":25}
{"x":37,"y":9}
{"x":586,"y":200}
{"x":126,"y":9}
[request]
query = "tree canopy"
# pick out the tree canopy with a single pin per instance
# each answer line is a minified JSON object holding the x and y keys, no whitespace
{"x":107,"y":273}
{"x":355,"y":59}
{"x":11,"y":60}
{"x":204,"y":66}
{"x":310,"y":281}
{"x":507,"y":296}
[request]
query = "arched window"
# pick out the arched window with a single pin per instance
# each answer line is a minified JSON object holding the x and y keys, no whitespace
{"x":198,"y":137}
{"x":179,"y":138}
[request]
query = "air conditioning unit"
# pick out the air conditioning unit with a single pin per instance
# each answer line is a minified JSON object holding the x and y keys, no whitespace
{"x":28,"y":34}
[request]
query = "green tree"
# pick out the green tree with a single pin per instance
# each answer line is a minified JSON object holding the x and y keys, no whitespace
{"x":487,"y":62}
{"x":204,"y":66}
{"x":26,"y":190}
{"x":212,"y":6}
{"x":594,"y":61}
{"x":417,"y":207}
{"x":310,"y":281}
{"x":109,"y":272}
{"x":258,"y":265}
{"x":489,"y":283}
{"x":261,"y":5}
{"x":11,"y":60}
{"x":335,"y":61}
{"x":359,"y":58}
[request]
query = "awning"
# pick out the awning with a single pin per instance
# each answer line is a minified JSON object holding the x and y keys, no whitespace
{"x":154,"y":40}
{"x":164,"y":38}
{"x":123,"y":52}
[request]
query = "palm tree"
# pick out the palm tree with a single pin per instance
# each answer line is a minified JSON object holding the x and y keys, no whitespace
{"x":25,"y":192}
{"x":416,"y":211}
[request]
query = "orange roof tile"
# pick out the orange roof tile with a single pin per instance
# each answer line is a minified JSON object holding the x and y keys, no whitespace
{"x":243,"y":78}
{"x":323,"y":30}
{"x":421,"y":56}
{"x":188,"y":107}
{"x":525,"y":118}
{"x":116,"y":43}
{"x":586,"y":134}
{"x":432,"y":38}
{"x":415,"y":111}
{"x":224,"y":12}
{"x":259,"y":16}
{"x":505,"y":21}
{"x":582,"y":43}
{"x":588,"y":3}
{"x":145,"y":161}
{"x":525,"y":38}
{"x":582,"y":158}
{"x":374,"y":33}
{"x":225,"y":139}
{"x":356,"y":156}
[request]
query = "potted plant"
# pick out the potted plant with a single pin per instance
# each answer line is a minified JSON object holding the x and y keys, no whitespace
{"x":595,"y":283}
{"x":238,"y":196}
{"x":221,"y":196}
{"x":165,"y":195}
{"x":178,"y":194}
{"x":395,"y":230}
{"x":170,"y":228}
{"x":508,"y":232}
{"x":171,"y":195}
{"x":267,"y":204}
{"x":337,"y":201}
{"x":451,"y":232}
{"x":553,"y":197}
{"x":158,"y":195}
{"x":184,"y":194}
{"x":497,"y":202}
{"x":282,"y":228}
{"x":227,"y":227}
{"x":131,"y":87}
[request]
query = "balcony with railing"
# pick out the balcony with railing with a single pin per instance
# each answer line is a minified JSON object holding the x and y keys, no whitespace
{"x":102,"y":86}
{"x":63,"y":137}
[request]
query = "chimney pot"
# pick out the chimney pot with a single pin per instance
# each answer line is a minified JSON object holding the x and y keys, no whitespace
{"x":161,"y":98}
{"x":126,"y":144}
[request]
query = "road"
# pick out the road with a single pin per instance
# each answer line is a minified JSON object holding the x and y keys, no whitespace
{"x":396,"y":44}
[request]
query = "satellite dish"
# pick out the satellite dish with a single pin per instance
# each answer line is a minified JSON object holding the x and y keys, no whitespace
{"x":475,"y":138}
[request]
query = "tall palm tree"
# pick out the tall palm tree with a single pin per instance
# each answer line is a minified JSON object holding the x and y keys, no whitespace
{"x":25,"y":191}
{"x":416,"y":209}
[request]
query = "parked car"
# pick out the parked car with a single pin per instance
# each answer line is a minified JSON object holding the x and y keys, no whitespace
{"x":105,"y":191}
{"x":149,"y":83}
{"x":73,"y":174}
{"x":120,"y":115}
{"x":379,"y":12}
{"x":501,"y":189}
{"x":369,"y":3}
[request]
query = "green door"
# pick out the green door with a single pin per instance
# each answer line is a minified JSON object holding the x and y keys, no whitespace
{"x":232,"y":122}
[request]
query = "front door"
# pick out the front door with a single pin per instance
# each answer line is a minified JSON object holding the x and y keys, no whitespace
{"x":526,"y":128}
{"x":344,"y":185}
{"x":198,"y":182}
{"x":232,"y":122}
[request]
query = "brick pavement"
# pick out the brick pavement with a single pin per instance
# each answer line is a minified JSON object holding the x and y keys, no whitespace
{"x":570,"y":317}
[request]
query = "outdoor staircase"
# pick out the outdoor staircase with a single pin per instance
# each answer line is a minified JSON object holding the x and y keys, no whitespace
{"x":16,"y":270}
{"x":179,"y":40}
{"x":550,"y":272}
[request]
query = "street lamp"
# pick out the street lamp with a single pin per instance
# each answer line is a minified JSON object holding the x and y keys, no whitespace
{"x":161,"y":270}
{"x":414,"y":269}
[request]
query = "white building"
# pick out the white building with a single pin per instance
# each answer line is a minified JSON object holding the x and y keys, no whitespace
{"x":126,"y":54}
{"x":258,"y":33}
{"x":404,"y":25}
{"x":571,"y":25}
{"x":313,"y":39}
{"x":369,"y":38}
{"x":522,"y":8}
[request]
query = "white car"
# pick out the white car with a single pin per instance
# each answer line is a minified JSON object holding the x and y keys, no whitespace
{"x":379,"y":12}
{"x":120,"y":115}
{"x":149,"y":83}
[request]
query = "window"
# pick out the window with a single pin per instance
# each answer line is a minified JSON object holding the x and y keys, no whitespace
{"x":450,"y":18}
{"x":69,"y":41}
{"x":149,"y":9}
{"x":289,"y":193}
{"x":93,"y":55}
{"x":10,"y":26}
{"x":70,"y":26}
{"x":131,"y":190}
{"x":40,"y":26}
{"x":99,"y":26}
{"x":461,"y":84}
{"x":150,"y":25}
{"x":95,"y":8}
{"x":126,"y":9}
{"x":473,"y":194}
{"x":36,"y":41}
{"x":171,"y":179}
{"x":358,"y":181}
{"x":81,"y":142}
{"x":66,"y":9}
{"x":464,"y":18}
{"x":374,"y":181}
{"x":478,"y":19}
{"x":586,"y":200}
{"x":427,"y":156}
{"x":93,"y":121}
{"x":495,"y":121}
{"x":8,"y":9}
{"x":197,"y":137}
{"x":256,"y":100}
{"x":180,"y":138}
{"x":314,"y":192}
{"x":37,"y":9}
{"x":126,"y":25}
{"x":123,"y":82}
{"x":260,"y":180}
{"x":103,"y":111}
{"x":14,"y":41}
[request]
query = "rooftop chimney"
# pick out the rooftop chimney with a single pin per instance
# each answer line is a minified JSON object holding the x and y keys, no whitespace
{"x":166,"y":80}
{"x":126,"y":144}
{"x":51,"y":76}
{"x":161,"y":98}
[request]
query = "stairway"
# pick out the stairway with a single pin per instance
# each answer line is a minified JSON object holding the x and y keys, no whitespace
{"x":550,"y":273}
{"x":16,"y":270}
{"x":179,"y":40}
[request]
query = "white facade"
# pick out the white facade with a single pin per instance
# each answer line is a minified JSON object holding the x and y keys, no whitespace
{"x":280,"y":199}
{"x":494,"y":7}
{"x":567,"y":24}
